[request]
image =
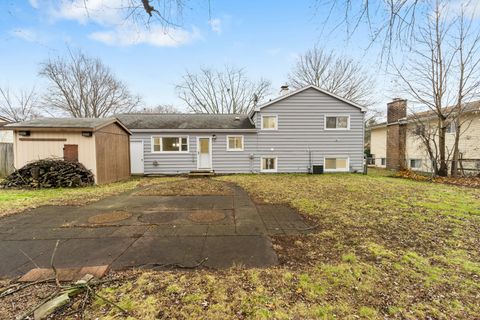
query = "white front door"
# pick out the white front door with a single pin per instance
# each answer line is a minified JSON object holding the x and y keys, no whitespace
{"x":204,"y":157}
{"x":136,"y":157}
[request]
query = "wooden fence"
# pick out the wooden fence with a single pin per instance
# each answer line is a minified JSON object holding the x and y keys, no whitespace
{"x":6,"y":159}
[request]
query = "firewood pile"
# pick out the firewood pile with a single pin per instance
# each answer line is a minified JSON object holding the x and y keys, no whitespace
{"x":50,"y":173}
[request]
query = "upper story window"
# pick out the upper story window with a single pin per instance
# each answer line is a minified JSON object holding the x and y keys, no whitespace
{"x":269,"y":122}
{"x":234,"y":143}
{"x":170,"y":144}
{"x":451,"y":128}
{"x":337,"y":122}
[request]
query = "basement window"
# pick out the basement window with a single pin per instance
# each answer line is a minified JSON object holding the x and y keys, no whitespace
{"x":337,"y":122}
{"x":383,"y":161}
{"x":415,"y":163}
{"x":169,"y":144}
{"x":269,"y":164}
{"x":339,"y":164}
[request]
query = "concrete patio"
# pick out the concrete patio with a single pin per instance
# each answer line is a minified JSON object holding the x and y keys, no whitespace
{"x":134,"y":230}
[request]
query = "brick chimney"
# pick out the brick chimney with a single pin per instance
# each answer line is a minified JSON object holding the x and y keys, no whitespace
{"x":396,"y":134}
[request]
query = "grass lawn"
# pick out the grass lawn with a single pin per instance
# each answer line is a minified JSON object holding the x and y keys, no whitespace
{"x":384,"y":248}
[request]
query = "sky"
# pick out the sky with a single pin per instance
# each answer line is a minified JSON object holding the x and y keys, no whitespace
{"x":263,"y":37}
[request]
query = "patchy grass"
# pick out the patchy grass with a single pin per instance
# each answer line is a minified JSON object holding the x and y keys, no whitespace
{"x":188,"y":187}
{"x":14,"y":201}
{"x":384,"y":248}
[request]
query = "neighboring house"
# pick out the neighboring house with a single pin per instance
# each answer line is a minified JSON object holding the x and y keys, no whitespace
{"x":6,"y":136}
{"x":394,"y":144}
{"x":292,"y":133}
{"x":101,"y":145}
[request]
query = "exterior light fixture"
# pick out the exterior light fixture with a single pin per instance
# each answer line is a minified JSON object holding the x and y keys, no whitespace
{"x":87,"y":133}
{"x":214,"y":137}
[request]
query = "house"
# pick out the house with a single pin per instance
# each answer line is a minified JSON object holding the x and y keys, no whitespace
{"x":292,"y":133}
{"x":6,"y":136}
{"x":395,"y":144}
{"x":101,"y":145}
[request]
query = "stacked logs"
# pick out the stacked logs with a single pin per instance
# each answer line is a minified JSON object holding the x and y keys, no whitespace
{"x":50,"y":173}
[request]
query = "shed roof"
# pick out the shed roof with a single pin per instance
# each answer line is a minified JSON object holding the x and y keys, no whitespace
{"x":66,"y":123}
{"x":179,"y":121}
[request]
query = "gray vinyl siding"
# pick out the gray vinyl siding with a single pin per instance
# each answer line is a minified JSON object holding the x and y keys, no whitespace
{"x":301,"y":132}
{"x":223,"y":161}
{"x":301,"y":128}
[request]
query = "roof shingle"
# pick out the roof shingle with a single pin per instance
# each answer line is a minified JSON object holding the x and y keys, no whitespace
{"x":185,"y":121}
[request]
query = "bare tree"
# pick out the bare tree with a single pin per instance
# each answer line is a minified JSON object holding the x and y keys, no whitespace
{"x":19,"y":106}
{"x":162,"y":108}
{"x":339,"y":75}
{"x":83,"y":87}
{"x":221,"y":91}
{"x":442,"y":75}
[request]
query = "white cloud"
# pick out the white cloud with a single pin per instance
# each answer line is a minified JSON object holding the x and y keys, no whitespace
{"x":455,"y":8}
{"x":215,"y":25}
{"x":24,"y":34}
{"x":34,"y":3}
{"x":105,"y":12}
{"x":128,"y":35}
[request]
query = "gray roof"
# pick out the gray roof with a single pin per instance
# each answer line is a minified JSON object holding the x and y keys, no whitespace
{"x":185,"y":121}
{"x":90,"y":123}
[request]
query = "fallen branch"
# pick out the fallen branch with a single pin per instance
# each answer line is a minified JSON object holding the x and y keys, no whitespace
{"x":53,"y":265}
{"x":11,"y":290}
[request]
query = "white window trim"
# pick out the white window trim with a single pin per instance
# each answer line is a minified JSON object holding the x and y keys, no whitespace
{"x":268,"y":170}
{"x":336,"y":115}
{"x":269,"y":115}
{"x":235,"y":136}
{"x":415,"y":159}
{"x":347,"y":169}
{"x":169,"y":136}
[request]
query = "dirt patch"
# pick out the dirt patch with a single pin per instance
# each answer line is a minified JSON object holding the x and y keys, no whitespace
{"x":113,"y":216}
{"x":206,"y":216}
{"x":188,"y":187}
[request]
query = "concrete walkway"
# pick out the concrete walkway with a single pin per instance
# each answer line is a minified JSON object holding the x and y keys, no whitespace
{"x":131,"y":230}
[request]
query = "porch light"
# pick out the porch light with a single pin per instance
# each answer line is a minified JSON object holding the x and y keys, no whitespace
{"x":214,"y":137}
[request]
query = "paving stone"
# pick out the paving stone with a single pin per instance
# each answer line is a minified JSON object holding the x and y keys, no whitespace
{"x":249,"y":251}
{"x":156,"y":251}
{"x":96,"y":271}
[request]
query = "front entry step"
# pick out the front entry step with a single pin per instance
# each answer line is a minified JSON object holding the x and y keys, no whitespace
{"x":201,"y":173}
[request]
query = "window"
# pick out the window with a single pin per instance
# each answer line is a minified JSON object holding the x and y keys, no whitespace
{"x":336,"y":164}
{"x":337,"y":122}
{"x":383,"y":161}
{"x":269,"y":122}
{"x":415,"y":163}
{"x":420,"y":130}
{"x":269,"y":164}
{"x":451,"y":128}
{"x":170,"y":144}
{"x":234,"y":143}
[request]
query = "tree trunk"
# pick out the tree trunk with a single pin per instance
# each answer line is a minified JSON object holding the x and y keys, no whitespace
{"x":443,"y":168}
{"x":456,"y":152}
